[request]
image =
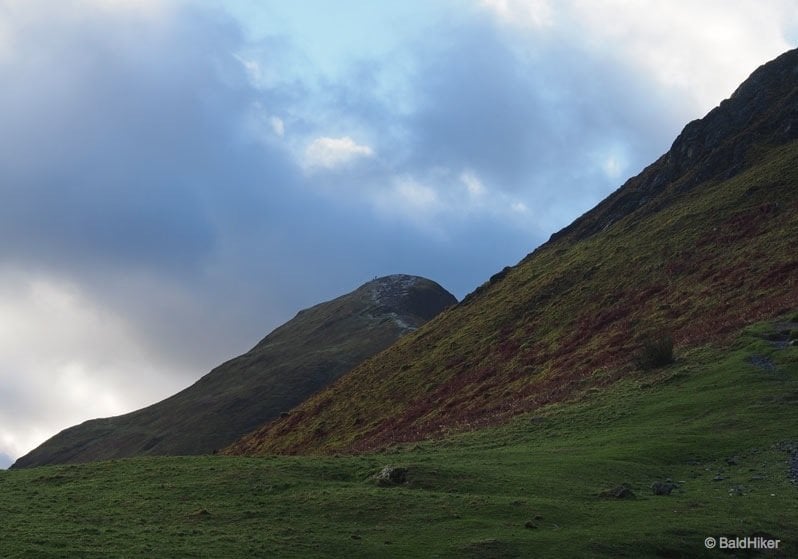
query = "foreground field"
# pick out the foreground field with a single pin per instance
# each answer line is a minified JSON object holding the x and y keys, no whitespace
{"x":721,"y":423}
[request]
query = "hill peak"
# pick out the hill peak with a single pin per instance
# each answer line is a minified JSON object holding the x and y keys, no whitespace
{"x":414,"y":294}
{"x":296,"y":359}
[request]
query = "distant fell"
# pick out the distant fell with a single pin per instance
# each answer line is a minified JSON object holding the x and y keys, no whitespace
{"x":702,"y":242}
{"x":295,"y":360}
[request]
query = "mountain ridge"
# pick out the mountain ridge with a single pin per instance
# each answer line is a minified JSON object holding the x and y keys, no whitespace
{"x":703,"y":149}
{"x":699,"y":244}
{"x":293,"y":361}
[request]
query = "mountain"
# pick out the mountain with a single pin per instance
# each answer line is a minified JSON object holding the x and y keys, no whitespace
{"x":645,"y":468}
{"x":295,"y":360}
{"x":700,"y":244}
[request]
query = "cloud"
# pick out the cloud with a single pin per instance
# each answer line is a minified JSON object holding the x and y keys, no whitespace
{"x":330,"y":153}
{"x":412,"y":202}
{"x":511,"y":110}
{"x":529,"y":13}
{"x":278,"y":126}
{"x":700,"y":50}
{"x":472,"y":183}
{"x":95,"y":363}
{"x":444,"y":205}
{"x":147,"y":6}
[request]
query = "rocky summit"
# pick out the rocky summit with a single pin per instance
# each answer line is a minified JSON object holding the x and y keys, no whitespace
{"x":291,"y":363}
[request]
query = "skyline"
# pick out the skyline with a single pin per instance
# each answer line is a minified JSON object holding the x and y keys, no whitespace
{"x":179,"y":179}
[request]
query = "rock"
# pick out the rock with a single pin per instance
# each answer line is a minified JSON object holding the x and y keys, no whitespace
{"x":530,"y":525}
{"x":731,"y":461}
{"x":718,"y":478}
{"x":762,"y":362}
{"x":762,"y":111}
{"x":737,"y":490}
{"x":793,"y":466}
{"x":201,"y":513}
{"x":622,"y":491}
{"x":663,"y":488}
{"x":391,"y":475}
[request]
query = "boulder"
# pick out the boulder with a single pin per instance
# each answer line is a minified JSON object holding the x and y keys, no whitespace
{"x":663,"y":488}
{"x":391,"y":475}
{"x":622,"y":491}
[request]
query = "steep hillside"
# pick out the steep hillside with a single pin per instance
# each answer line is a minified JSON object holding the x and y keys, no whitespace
{"x":720,"y":424}
{"x":701,"y":243}
{"x":295,"y":360}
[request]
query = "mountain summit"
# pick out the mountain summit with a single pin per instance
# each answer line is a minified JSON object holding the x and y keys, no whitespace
{"x":295,"y":360}
{"x":701,"y":243}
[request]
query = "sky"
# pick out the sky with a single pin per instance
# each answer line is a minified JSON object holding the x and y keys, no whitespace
{"x":178,"y":178}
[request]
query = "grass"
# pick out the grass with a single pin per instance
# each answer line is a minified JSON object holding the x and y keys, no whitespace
{"x":527,"y":489}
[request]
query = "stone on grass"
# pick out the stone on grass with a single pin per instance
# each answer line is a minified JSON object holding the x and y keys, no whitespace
{"x":663,"y":488}
{"x":391,"y":475}
{"x":622,"y":491}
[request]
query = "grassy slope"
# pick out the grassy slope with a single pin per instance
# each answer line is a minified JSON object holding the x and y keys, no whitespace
{"x":470,"y":495}
{"x":571,"y":316}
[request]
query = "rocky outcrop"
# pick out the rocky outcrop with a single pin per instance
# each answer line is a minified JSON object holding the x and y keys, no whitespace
{"x":763,"y":111}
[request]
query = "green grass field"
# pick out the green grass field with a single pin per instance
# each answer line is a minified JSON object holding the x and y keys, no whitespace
{"x":721,"y":422}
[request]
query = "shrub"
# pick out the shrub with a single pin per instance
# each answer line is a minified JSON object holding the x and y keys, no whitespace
{"x":655,"y":353}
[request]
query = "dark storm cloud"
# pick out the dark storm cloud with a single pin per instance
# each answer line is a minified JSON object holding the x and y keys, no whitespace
{"x":125,"y":163}
{"x":119,"y":141}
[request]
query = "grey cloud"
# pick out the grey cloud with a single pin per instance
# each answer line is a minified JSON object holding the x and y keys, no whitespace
{"x":526,"y":113}
{"x":123,"y":153}
{"x":536,"y":117}
{"x":106,"y":157}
